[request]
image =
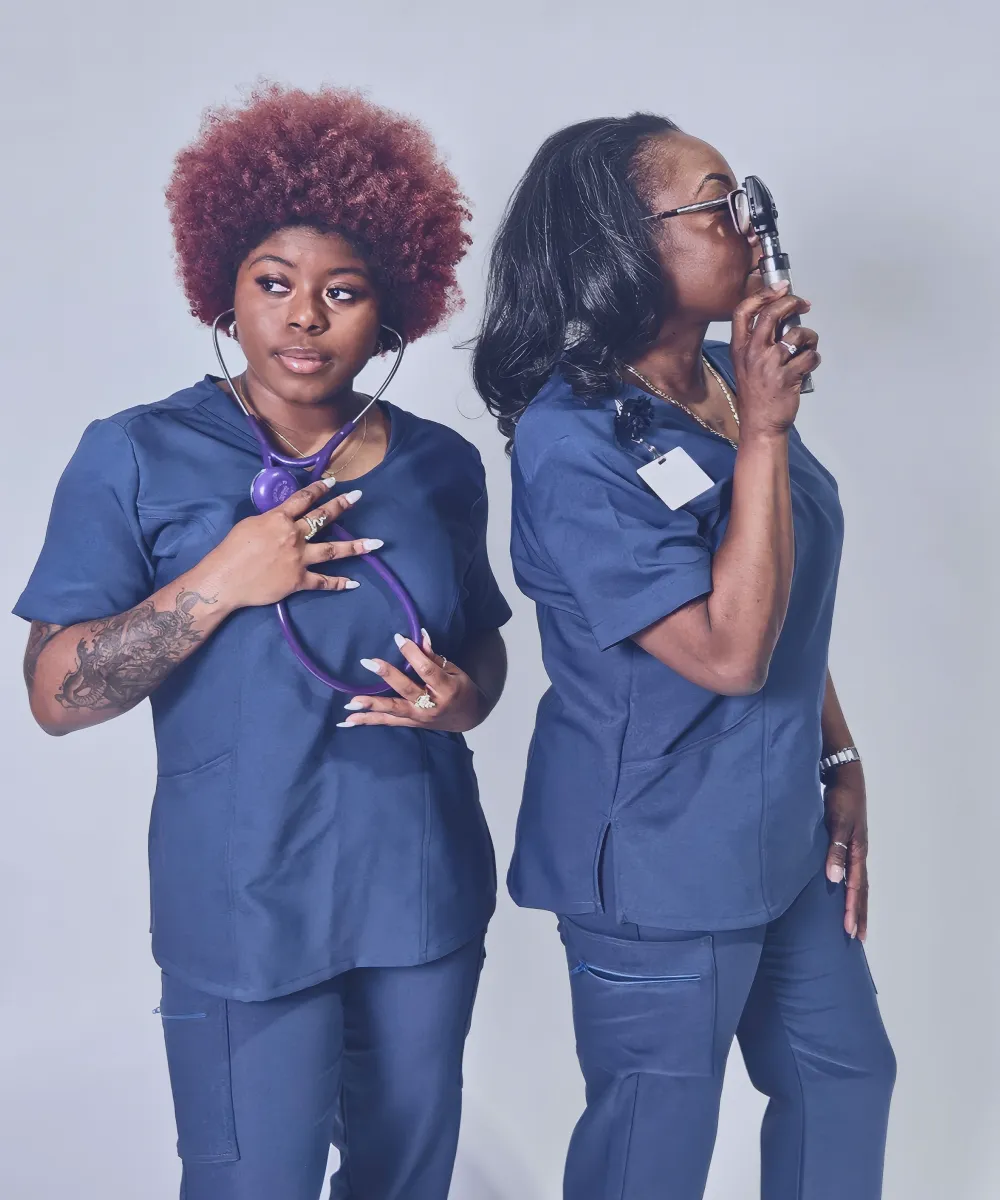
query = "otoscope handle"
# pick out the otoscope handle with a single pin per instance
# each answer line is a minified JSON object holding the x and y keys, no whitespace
{"x":774,"y":270}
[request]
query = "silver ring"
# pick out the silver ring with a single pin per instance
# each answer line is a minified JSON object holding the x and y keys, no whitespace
{"x":790,"y":347}
{"x":444,"y":662}
{"x":315,"y":524}
{"x":424,"y":701}
{"x":844,"y":844}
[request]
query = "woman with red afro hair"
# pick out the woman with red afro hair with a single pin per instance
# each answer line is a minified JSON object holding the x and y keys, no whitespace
{"x":320,"y":892}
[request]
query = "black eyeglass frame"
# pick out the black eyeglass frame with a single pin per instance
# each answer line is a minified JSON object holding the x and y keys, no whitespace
{"x":728,"y":201}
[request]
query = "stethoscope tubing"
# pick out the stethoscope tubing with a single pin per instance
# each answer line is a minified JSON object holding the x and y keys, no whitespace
{"x":316,"y":464}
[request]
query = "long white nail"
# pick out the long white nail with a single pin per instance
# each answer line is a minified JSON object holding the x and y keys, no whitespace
{"x":329,"y":481}
{"x":370,"y":664}
{"x":836,"y":874}
{"x":354,"y":706}
{"x":345,"y":724}
{"x":425,"y":635}
{"x":353,"y":497}
{"x":350,"y":585}
{"x":373,"y":543}
{"x":854,"y":932}
{"x":400,"y":640}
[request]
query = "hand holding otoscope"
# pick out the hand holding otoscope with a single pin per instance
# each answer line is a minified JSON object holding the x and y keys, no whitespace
{"x":773,"y":264}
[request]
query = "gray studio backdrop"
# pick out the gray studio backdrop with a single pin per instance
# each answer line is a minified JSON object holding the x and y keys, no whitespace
{"x":874,"y":125}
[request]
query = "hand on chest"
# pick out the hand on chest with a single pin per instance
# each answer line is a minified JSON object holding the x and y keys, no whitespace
{"x":427,"y":530}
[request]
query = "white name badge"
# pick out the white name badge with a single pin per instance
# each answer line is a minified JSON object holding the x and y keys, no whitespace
{"x":676,"y":478}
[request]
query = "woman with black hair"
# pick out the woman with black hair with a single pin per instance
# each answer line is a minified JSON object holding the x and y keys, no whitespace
{"x":694,"y":810}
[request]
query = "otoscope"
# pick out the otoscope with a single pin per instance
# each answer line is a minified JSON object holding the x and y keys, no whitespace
{"x":773,"y":264}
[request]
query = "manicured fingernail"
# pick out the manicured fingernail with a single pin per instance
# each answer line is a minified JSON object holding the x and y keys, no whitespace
{"x":345,"y":724}
{"x":836,"y":874}
{"x":354,"y":706}
{"x":425,"y":635}
{"x":329,"y":481}
{"x":373,"y":543}
{"x":370,"y":664}
{"x":353,"y":497}
{"x":854,"y":932}
{"x":350,"y":585}
{"x":400,"y":640}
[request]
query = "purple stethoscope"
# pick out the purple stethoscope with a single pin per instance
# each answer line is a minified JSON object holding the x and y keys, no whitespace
{"x":274,"y":483}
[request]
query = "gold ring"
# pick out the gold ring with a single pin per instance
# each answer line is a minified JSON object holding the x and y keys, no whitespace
{"x":424,"y":701}
{"x":315,"y":524}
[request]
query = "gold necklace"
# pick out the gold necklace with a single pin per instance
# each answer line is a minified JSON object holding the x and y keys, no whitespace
{"x":329,"y":472}
{"x":651,"y":387}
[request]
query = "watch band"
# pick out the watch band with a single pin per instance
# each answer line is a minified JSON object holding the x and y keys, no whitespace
{"x":847,"y":755}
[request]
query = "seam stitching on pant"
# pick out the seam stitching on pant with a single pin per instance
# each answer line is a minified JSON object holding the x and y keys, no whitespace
{"x":631,"y":1127}
{"x":802,"y":1095}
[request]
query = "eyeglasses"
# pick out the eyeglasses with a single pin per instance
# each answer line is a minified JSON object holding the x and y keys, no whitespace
{"x":736,"y":201}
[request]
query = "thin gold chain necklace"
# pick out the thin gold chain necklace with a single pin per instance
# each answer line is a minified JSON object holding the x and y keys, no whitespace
{"x":651,"y":387}
{"x":330,"y":472}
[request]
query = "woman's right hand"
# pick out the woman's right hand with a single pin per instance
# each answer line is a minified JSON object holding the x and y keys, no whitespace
{"x":768,"y":377}
{"x":265,"y":558}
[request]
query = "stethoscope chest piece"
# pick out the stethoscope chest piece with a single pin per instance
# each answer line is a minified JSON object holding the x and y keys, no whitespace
{"x":272,"y":486}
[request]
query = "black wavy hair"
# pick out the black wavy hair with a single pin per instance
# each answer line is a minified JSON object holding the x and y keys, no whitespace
{"x":574,"y":277}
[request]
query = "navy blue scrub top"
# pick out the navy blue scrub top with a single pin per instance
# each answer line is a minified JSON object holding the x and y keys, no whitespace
{"x":714,"y":802}
{"x":283,"y":850}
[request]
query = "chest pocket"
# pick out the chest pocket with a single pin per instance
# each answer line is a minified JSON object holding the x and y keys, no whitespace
{"x":178,"y":539}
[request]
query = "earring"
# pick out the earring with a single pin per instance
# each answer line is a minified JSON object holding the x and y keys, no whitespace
{"x":233,"y":332}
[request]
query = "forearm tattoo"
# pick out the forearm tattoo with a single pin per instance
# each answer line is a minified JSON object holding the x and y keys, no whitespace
{"x":42,"y":632}
{"x":122,"y":659}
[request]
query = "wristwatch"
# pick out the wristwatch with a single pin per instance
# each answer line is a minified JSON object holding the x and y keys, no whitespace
{"x":848,"y":755}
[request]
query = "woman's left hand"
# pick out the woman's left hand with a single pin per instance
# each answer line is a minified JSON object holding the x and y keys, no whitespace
{"x":847,"y":823}
{"x":459,"y":705}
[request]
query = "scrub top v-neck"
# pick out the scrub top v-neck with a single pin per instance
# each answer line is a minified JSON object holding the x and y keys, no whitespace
{"x":713,"y":803}
{"x":284,"y":850}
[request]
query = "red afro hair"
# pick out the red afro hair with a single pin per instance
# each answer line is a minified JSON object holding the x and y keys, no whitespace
{"x":331,"y":160}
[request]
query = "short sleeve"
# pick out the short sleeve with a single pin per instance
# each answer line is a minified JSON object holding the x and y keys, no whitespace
{"x":93,"y":562}
{"x":484,"y":605}
{"x":627,"y":559}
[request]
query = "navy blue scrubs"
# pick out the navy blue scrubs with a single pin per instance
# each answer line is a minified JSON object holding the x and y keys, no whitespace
{"x":678,"y":833}
{"x":285,"y":851}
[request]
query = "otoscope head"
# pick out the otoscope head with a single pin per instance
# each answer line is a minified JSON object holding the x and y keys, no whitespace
{"x":763,"y":213}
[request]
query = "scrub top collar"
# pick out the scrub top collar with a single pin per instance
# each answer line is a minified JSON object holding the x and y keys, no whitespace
{"x":220,"y":405}
{"x":717,"y":354}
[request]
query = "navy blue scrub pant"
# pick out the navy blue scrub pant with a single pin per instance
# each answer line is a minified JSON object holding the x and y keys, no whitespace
{"x":655,"y":1013}
{"x":370,"y":1061}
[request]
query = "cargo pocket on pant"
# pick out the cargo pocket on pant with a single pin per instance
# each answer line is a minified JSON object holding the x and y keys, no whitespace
{"x":642,"y":1007}
{"x":196,"y":1033}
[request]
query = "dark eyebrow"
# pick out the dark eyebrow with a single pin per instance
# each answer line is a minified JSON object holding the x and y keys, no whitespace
{"x":291,"y":266}
{"x":273,"y":258}
{"x":715,"y":177}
